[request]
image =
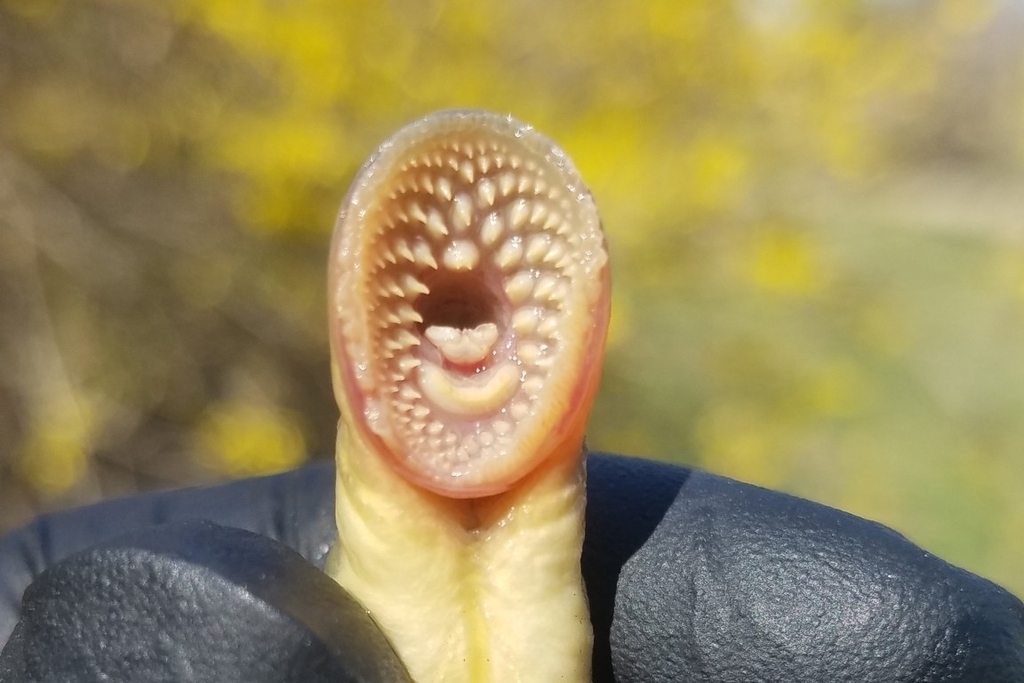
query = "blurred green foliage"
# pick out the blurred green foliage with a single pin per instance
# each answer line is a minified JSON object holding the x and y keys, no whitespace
{"x":814,"y":209}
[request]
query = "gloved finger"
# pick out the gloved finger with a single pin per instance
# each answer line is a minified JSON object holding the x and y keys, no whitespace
{"x":295,"y":508}
{"x":197,"y":602}
{"x":737,"y":584}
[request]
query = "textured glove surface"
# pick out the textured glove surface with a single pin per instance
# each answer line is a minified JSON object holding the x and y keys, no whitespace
{"x":196,"y":602}
{"x":738,"y":584}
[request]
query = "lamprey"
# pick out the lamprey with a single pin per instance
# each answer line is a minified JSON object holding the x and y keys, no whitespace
{"x":469,"y":297}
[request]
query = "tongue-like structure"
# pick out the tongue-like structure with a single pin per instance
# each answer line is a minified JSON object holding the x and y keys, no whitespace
{"x":468,"y":308}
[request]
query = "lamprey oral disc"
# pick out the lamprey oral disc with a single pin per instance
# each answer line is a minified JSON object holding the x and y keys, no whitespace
{"x":469,"y":296}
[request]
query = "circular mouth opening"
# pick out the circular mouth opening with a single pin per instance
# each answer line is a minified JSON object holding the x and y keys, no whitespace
{"x":459,"y":301}
{"x":462,"y":321}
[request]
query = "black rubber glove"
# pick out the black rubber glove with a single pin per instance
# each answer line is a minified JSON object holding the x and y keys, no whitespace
{"x":691,"y":577}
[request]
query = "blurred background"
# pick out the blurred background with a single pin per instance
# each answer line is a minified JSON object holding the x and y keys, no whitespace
{"x":815,"y":211}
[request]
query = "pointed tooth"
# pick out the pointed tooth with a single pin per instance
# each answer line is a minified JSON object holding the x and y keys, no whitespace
{"x":454,"y":163}
{"x":408,"y":363}
{"x":548,"y":327}
{"x":484,"y":162}
{"x":515,"y":161}
{"x":444,"y":188}
{"x":540,"y":186}
{"x":539,"y":213}
{"x":537,"y":248}
{"x":518,"y":213}
{"x":389,"y":288}
{"x":450,"y":439}
{"x":518,"y":287}
{"x":506,"y":183}
{"x":402,"y":249}
{"x":461,"y":255}
{"x":553,"y":220}
{"x":411,"y":285}
{"x":406,"y":339}
{"x":524,"y":182}
{"x":435,"y":224}
{"x":555,"y":252}
{"x":529,"y":353}
{"x":409,"y":393}
{"x":423,"y":255}
{"x":403,"y":406}
{"x":485,"y":192}
{"x":416,"y":426}
{"x":427,"y":183}
{"x":420,"y":411}
{"x":491,"y":229}
{"x":499,"y":160}
{"x":545,"y":285}
{"x":466,"y":171}
{"x":509,"y":254}
{"x":416,"y":213}
{"x":561,"y":293}
{"x":408,"y":314}
{"x":462,"y":212}
{"x":565,"y":262}
{"x":524,"y":320}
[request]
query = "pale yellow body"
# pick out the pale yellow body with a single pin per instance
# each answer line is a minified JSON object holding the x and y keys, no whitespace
{"x":469,"y":591}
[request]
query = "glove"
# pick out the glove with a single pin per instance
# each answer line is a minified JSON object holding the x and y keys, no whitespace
{"x":196,"y":602}
{"x":690,"y":577}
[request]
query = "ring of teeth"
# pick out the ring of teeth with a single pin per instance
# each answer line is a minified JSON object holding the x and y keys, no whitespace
{"x":476,"y":258}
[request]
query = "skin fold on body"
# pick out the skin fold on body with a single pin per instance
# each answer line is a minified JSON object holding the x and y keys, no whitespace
{"x":469,"y":297}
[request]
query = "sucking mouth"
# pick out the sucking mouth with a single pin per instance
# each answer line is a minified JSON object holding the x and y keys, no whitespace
{"x":470,"y":285}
